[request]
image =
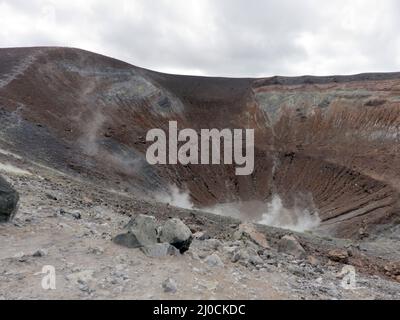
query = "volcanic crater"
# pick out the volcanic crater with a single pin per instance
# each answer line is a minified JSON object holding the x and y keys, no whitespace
{"x":327,"y":144}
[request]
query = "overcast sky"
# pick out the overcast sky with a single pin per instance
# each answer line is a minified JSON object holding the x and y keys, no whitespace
{"x":217,"y":37}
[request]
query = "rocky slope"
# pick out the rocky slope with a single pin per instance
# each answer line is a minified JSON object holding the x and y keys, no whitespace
{"x":333,"y":139}
{"x":72,"y":137}
{"x":69,"y":224}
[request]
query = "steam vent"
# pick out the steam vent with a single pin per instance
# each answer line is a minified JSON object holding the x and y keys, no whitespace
{"x":329,"y":145}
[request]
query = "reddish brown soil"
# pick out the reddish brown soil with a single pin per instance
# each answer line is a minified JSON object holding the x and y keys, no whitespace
{"x":333,"y":139}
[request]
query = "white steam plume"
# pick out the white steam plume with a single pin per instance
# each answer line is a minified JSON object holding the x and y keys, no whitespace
{"x":299,"y":218}
{"x":295,"y":219}
{"x":175,"y":197}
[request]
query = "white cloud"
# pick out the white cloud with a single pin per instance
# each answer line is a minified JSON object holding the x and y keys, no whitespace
{"x":224,"y":37}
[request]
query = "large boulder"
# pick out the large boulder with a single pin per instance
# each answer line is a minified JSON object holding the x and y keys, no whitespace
{"x":8,"y":201}
{"x":290,"y":245}
{"x":141,"y":232}
{"x":249,"y":231}
{"x":176,"y":233}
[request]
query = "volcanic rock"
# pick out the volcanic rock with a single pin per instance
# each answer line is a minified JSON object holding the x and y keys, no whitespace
{"x":214,"y":261}
{"x":256,"y":260}
{"x":336,"y":141}
{"x":8,"y":201}
{"x":170,"y":286}
{"x":290,"y":245}
{"x":339,"y":255}
{"x":40,"y":253}
{"x":243,"y":255}
{"x":176,"y":233}
{"x":248,"y":230}
{"x":313,"y":261}
{"x":333,"y":140}
{"x":159,"y":250}
{"x":141,"y":231}
{"x":74,"y":214}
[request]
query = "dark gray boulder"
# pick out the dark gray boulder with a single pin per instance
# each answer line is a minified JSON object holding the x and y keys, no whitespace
{"x":8,"y":201}
{"x":176,"y":233}
{"x":141,"y":231}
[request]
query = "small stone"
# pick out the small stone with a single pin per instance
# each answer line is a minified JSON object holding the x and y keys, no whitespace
{"x":75,"y":214}
{"x":313,"y":261}
{"x":159,"y":250}
{"x":51,"y":197}
{"x":201,"y":236}
{"x":208,"y":285}
{"x":393,"y":269}
{"x":214,"y":261}
{"x":256,"y":260}
{"x":229,"y":250}
{"x":81,"y":277}
{"x":40,"y":253}
{"x":363,"y":233}
{"x":290,"y":245}
{"x":21,"y":257}
{"x":96,"y":251}
{"x":388,"y":268}
{"x":339,"y":255}
{"x":170,"y":286}
{"x":252,"y":246}
{"x":243,"y":255}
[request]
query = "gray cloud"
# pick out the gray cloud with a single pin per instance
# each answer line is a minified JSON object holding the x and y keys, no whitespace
{"x":224,"y":37}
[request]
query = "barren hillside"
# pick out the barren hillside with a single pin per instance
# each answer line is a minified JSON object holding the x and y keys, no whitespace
{"x":328,"y":145}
